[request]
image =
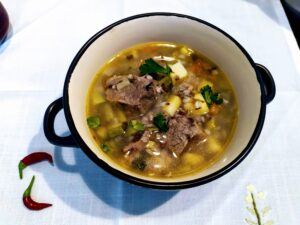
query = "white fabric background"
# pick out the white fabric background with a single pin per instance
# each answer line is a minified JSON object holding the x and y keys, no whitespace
{"x":33,"y":63}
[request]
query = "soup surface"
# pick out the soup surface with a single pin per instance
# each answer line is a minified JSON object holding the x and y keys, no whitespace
{"x":161,"y":109}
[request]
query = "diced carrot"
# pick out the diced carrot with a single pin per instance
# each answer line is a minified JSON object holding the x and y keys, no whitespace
{"x":200,"y":67}
{"x":205,"y":65}
{"x":213,"y":77}
{"x":150,"y":49}
{"x":214,"y":109}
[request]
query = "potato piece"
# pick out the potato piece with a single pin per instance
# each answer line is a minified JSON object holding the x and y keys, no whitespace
{"x":121,"y":117}
{"x":97,"y":98}
{"x":111,"y":114}
{"x":192,"y":159}
{"x":178,"y":69}
{"x":211,"y":124}
{"x":199,"y":97}
{"x":102,"y":133}
{"x":189,"y":107}
{"x":172,"y":105}
{"x":174,"y":77}
{"x":184,"y":168}
{"x":213,"y":145}
{"x":201,"y":111}
{"x":106,"y":112}
{"x":186,"y":51}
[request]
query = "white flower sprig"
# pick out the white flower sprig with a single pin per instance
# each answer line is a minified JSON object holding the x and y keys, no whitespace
{"x":258,"y":216}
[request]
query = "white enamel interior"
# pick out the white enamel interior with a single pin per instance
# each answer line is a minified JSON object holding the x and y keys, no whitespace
{"x":207,"y":40}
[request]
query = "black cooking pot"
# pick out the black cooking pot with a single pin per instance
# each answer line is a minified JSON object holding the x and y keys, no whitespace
{"x":4,"y":23}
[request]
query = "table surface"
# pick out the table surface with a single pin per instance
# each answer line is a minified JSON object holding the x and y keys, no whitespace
{"x":44,"y":38}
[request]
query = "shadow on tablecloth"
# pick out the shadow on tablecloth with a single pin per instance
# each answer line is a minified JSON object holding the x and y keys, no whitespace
{"x":82,"y":185}
{"x":85,"y":187}
{"x":7,"y":40}
{"x":265,"y":7}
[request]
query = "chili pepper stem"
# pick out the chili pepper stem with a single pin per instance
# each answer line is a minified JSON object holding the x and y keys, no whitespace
{"x":27,"y":192}
{"x":21,"y":167}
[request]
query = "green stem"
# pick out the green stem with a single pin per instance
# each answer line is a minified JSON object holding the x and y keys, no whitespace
{"x":256,"y":210}
{"x":27,"y":192}
{"x":21,"y":167}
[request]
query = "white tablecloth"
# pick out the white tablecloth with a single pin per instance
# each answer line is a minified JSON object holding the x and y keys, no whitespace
{"x":46,"y":34}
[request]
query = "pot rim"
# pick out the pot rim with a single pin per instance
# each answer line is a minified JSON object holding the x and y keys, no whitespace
{"x":143,"y":182}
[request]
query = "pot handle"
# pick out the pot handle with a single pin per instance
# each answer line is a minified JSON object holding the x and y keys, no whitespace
{"x":49,"y":131}
{"x":269,"y":87}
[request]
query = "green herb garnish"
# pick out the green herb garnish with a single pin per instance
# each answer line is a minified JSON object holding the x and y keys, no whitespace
{"x":93,"y":122}
{"x":133,"y":126}
{"x":136,"y":125}
{"x":211,"y":97}
{"x":152,"y":67}
{"x":104,"y":147}
{"x":160,"y":122}
{"x":139,"y":163}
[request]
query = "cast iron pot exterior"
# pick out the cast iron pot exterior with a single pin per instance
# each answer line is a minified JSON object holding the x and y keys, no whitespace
{"x":264,"y":78}
{"x":4,"y":23}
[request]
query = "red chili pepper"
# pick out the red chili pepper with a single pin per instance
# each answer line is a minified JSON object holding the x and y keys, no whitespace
{"x":31,"y":204}
{"x":33,"y":158}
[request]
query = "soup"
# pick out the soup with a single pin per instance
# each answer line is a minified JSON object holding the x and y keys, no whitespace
{"x":161,"y":109}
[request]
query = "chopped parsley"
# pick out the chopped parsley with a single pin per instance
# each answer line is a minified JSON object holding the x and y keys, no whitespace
{"x":139,"y":163}
{"x":93,"y":122}
{"x":104,"y":147}
{"x":160,"y":122}
{"x":151,"y":67}
{"x":211,"y":97}
{"x":136,"y":125}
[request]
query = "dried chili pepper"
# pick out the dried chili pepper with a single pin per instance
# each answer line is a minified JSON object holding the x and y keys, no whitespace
{"x":33,"y":158}
{"x":31,"y":204}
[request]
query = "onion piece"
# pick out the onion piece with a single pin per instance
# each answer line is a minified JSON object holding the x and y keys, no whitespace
{"x":164,"y":58}
{"x":122,"y":84}
{"x":197,"y":105}
{"x":178,"y":69}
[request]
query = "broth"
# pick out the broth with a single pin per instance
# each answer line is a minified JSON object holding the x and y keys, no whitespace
{"x":161,"y":109}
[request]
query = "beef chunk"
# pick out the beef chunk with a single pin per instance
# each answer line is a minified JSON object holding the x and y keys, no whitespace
{"x":134,"y":151}
{"x":203,"y":118}
{"x":147,"y":119}
{"x":138,"y":145}
{"x":184,"y":90}
{"x":137,"y":155}
{"x":182,"y":129}
{"x":137,"y":92}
